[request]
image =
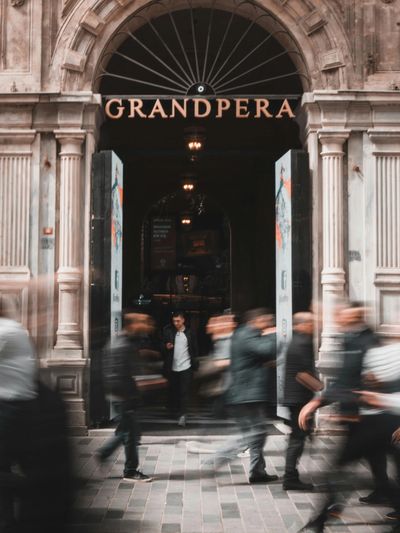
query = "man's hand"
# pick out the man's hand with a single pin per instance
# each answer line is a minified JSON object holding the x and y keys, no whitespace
{"x":307,"y":412}
{"x":396,"y":436}
{"x":371,"y":398}
{"x":268,"y":331}
{"x":169,"y":346}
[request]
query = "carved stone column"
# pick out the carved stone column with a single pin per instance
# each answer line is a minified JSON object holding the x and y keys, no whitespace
{"x":69,"y":275}
{"x":387,"y":234}
{"x":333,"y":274}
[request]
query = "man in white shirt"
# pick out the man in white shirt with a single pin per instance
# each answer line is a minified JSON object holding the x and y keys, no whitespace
{"x":179,"y":363}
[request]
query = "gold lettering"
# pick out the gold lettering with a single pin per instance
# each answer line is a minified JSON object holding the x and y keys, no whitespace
{"x":205,"y":103}
{"x":223,"y":104}
{"x":262,"y":105}
{"x":158,"y":109}
{"x":176,"y":106}
{"x":285,"y":108}
{"x":241,"y":105}
{"x":120,"y":108}
{"x":136,"y":107}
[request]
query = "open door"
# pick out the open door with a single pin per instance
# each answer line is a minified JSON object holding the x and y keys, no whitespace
{"x":293,"y":251}
{"x":106,"y":270}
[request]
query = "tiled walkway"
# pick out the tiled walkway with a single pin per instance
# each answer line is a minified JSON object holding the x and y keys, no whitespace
{"x":186,"y":500}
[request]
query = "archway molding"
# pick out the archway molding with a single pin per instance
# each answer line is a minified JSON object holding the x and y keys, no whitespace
{"x":90,"y":27}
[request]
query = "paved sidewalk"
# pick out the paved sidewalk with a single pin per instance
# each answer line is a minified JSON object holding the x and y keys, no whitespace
{"x":184,"y":500}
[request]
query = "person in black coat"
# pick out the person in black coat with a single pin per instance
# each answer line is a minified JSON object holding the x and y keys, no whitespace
{"x":179,"y":363}
{"x":299,"y":365}
{"x":121,"y":361}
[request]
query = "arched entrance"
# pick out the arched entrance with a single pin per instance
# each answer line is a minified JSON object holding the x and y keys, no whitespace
{"x":222,"y":79}
{"x":88,"y":33}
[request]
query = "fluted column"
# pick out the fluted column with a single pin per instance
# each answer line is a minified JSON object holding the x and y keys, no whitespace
{"x":333,"y":274}
{"x":387,"y":231}
{"x":69,"y":275}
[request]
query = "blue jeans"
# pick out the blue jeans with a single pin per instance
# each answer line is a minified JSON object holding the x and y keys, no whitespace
{"x":127,"y":433}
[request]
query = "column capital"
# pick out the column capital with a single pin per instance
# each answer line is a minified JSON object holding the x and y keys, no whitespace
{"x":333,"y":140}
{"x":75,"y":136}
{"x":71,"y":141}
{"x":388,"y":139}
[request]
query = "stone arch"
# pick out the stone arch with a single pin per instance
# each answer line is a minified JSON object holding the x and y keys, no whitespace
{"x":89,"y":27}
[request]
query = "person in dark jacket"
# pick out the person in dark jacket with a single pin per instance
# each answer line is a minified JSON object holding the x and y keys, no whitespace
{"x":368,"y":436}
{"x":299,"y":363}
{"x":121,"y":360}
{"x":253,"y":347}
{"x":180,"y":361}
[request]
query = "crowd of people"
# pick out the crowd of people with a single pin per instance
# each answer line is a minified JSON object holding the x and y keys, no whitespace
{"x":237,"y":376}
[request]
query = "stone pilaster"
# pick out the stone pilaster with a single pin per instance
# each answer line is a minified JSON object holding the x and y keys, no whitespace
{"x":69,"y":275}
{"x":333,"y":273}
{"x":386,"y":154}
{"x":15,"y":212}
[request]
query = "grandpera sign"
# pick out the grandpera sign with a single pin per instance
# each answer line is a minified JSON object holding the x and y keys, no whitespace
{"x":116,"y":108}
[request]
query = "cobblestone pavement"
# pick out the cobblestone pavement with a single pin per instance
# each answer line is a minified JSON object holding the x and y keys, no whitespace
{"x":183,"y":499}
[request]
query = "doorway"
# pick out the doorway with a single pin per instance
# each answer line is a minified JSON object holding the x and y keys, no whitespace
{"x":201,"y":53}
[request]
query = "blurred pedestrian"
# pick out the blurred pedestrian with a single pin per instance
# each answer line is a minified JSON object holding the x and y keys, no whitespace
{"x":369,"y":433}
{"x":215,"y":372}
{"x":299,"y":387}
{"x":18,"y":393}
{"x":121,"y":360}
{"x":181,"y":353}
{"x":253,"y":347}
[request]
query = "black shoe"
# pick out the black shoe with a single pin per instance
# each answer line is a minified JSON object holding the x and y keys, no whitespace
{"x":393,"y":515}
{"x":313,"y":527}
{"x":335,"y":510}
{"x":138,"y":477}
{"x":263,"y":478}
{"x":375,"y":498}
{"x":296,"y":484}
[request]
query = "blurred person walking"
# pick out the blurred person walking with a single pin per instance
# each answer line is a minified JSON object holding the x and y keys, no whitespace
{"x":369,"y":435}
{"x":299,"y":385}
{"x":18,"y":393}
{"x":180,"y":361}
{"x":253,"y":347}
{"x":121,"y":361}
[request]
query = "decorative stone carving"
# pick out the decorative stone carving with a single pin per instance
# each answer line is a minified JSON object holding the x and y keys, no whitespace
{"x":17,"y":3}
{"x":331,"y":60}
{"x":313,"y":22}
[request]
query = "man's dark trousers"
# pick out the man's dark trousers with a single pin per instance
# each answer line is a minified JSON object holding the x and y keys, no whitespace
{"x":179,"y":391}
{"x":296,"y":444}
{"x":126,"y":433}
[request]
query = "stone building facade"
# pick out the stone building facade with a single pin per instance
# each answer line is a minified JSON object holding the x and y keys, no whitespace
{"x":50,"y":115}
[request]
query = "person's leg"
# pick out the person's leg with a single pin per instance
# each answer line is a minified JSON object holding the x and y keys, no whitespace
{"x":116,"y":440}
{"x":294,"y":451}
{"x":185,"y":382}
{"x":254,"y":429}
{"x":173,"y":393}
{"x":9,"y":421}
{"x":130,"y":434}
{"x":229,"y":449}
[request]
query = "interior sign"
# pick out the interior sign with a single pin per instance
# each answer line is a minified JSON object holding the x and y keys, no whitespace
{"x":116,"y":108}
